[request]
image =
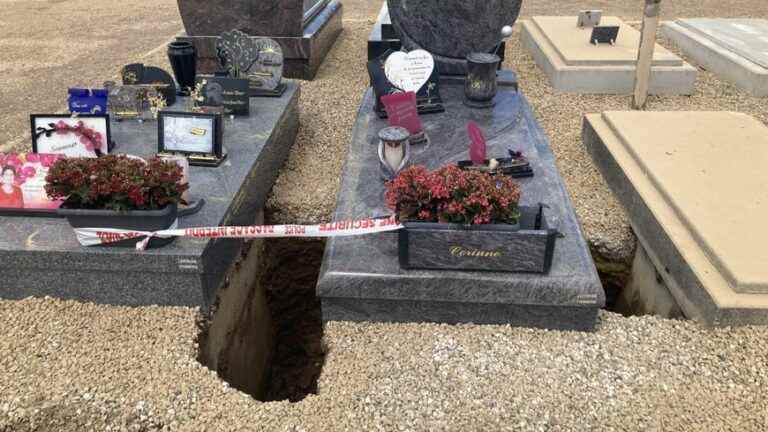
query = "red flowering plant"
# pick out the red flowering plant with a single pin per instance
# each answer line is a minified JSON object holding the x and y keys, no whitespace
{"x":115,"y":183}
{"x":452,"y":195}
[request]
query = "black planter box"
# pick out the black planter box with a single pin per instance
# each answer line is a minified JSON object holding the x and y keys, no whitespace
{"x":135,"y":220}
{"x":524,"y":248}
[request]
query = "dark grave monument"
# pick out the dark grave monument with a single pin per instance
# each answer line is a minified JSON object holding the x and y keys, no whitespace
{"x":305,"y":30}
{"x":455,"y":29}
{"x":41,"y":256}
{"x":361,"y":278}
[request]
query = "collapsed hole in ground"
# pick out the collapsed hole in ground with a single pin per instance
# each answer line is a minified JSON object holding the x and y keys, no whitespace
{"x":264,"y":334}
{"x":290,"y":280}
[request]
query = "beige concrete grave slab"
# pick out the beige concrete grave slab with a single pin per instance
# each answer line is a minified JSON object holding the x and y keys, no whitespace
{"x":573,"y":47}
{"x":734,"y":49}
{"x":702,"y":177}
{"x":573,"y":64}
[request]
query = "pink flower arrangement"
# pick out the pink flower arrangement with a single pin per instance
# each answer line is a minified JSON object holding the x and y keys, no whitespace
{"x":452,"y":195}
{"x":89,"y":137}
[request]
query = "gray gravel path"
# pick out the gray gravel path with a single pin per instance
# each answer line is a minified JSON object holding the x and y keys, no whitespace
{"x":69,"y":366}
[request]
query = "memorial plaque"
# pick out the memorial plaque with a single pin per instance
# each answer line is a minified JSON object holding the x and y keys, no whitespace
{"x":231,"y":93}
{"x":427,"y":96}
{"x":138,"y":74}
{"x":258,"y":59}
{"x":409,"y":71}
{"x":604,"y":35}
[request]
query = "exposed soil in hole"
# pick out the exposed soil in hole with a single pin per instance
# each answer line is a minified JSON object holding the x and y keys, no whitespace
{"x":290,"y":278}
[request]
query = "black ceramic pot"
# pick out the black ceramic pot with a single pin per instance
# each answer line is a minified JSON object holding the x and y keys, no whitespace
{"x":183,"y":57}
{"x":480,"y":85}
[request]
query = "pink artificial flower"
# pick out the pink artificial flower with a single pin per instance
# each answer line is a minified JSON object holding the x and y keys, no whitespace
{"x":62,"y":128}
{"x":28,"y":171}
{"x":33,"y":158}
{"x":12,"y":160}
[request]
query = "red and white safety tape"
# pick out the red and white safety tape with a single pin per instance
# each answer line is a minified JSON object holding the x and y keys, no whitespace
{"x":99,"y":236}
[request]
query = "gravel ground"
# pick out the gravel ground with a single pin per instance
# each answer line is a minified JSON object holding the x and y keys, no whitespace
{"x":67,"y":366}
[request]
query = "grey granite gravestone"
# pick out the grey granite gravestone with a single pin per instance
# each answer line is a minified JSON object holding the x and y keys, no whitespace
{"x":41,"y":256}
{"x":361,"y":279}
{"x":452,"y":29}
{"x":735,"y":49}
{"x":306,"y":30}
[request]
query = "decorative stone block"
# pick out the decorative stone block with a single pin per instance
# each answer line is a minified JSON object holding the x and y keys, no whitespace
{"x":574,"y":65}
{"x":735,"y":49}
{"x":693,"y":184}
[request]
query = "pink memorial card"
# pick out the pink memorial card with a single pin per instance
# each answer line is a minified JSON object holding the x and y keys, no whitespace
{"x":477,"y":144}
{"x":401,"y":111}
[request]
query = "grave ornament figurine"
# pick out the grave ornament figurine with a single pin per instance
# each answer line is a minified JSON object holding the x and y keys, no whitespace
{"x":394,"y":151}
{"x":515,"y":165}
{"x":259,"y":60}
{"x":397,"y":71}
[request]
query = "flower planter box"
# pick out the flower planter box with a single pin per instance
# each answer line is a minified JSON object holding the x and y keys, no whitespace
{"x":137,"y":220}
{"x":527,"y":247}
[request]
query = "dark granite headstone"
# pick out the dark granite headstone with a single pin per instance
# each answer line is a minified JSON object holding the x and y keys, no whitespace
{"x":451,"y":29}
{"x":305,"y":30}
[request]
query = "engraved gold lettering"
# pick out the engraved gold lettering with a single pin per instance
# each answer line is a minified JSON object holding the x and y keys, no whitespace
{"x":460,"y":251}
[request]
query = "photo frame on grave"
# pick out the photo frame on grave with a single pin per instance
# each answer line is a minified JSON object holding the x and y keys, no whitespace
{"x":604,"y":35}
{"x":72,"y":135}
{"x":589,"y":18}
{"x":197,"y":136}
{"x":138,"y":74}
{"x":428,"y":98}
{"x":22,"y":185}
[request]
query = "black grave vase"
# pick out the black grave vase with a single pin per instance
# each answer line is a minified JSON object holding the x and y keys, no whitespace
{"x":183,"y":57}
{"x":480,"y":85}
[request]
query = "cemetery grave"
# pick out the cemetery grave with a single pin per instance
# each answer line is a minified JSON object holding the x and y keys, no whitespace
{"x":575,"y":65}
{"x":383,"y":374}
{"x":736,"y":49}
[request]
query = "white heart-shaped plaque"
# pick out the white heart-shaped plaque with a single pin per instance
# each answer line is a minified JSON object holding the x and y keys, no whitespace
{"x":409,"y":71}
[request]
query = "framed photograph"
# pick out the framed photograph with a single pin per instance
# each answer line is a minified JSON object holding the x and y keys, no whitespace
{"x":22,"y":184}
{"x":198,"y":136}
{"x":82,"y":135}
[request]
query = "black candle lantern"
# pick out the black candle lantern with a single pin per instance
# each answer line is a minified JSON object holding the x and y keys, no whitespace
{"x":183,"y":59}
{"x":480,"y":85}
